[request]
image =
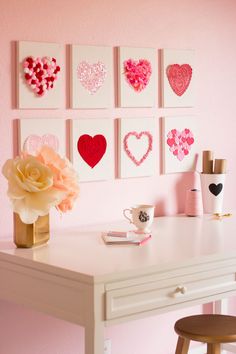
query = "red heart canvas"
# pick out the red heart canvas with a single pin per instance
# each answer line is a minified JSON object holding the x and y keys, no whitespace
{"x":92,"y":149}
{"x":179,"y":77}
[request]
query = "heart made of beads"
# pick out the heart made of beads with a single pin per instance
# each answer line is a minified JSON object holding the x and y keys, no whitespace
{"x":91,"y":76}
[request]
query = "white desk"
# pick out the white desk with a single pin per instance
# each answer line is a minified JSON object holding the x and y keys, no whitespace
{"x":78,"y":278}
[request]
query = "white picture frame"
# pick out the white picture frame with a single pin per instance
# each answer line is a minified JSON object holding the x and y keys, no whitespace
{"x":27,"y":98}
{"x":178,"y":76}
{"x":179,"y":146}
{"x":137,"y":149}
{"x":91,"y":77}
{"x":142,"y":64}
{"x":91,"y":148}
{"x":33,"y":133}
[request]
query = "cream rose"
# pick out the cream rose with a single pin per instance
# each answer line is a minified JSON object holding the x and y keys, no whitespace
{"x":30,"y":188}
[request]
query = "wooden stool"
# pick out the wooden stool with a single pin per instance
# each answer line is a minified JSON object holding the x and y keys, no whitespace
{"x":210,"y":329}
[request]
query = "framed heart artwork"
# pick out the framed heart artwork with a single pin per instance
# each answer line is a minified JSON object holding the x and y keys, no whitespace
{"x":39,"y":75}
{"x":34,"y":133}
{"x":137,"y":78}
{"x":91,"y":148}
{"x":179,"y":144}
{"x":91,"y":77}
{"x":137,"y":151}
{"x":177,"y":78}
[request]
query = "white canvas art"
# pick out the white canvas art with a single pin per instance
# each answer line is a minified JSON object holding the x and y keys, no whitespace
{"x":177,"y":78}
{"x":137,"y":76}
{"x":39,"y":75}
{"x":91,"y":147}
{"x":91,"y":76}
{"x":137,"y":147}
{"x":179,"y":144}
{"x":34,"y":133}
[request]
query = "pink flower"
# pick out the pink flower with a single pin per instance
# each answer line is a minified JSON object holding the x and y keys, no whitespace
{"x":64,"y":176}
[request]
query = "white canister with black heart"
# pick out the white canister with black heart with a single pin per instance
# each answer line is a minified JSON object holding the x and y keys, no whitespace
{"x":213,"y":186}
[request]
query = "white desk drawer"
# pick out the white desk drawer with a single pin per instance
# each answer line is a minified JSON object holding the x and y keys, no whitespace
{"x":165,"y":293}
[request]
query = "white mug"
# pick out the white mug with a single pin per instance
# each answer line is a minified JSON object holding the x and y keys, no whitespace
{"x":141,"y":216}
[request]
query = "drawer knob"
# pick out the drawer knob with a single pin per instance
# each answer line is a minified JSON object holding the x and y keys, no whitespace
{"x":181,"y":289}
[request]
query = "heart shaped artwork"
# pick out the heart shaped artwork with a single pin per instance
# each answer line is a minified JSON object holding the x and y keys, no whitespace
{"x":92,"y":149}
{"x":33,"y":143}
{"x":142,"y":141}
{"x":137,"y":73}
{"x":179,"y":77}
{"x":40,"y":73}
{"x":91,"y":76}
{"x":215,"y":188}
{"x":180,"y":142}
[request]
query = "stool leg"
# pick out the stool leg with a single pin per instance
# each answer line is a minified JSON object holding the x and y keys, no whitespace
{"x":213,"y":348}
{"x":182,"y":346}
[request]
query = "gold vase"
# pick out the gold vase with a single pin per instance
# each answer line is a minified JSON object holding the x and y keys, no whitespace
{"x":31,"y":235}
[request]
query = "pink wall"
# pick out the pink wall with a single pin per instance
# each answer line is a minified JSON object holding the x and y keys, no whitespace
{"x":207,"y":26}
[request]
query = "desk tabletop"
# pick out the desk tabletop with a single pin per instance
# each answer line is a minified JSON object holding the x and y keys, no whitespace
{"x":80,"y":253}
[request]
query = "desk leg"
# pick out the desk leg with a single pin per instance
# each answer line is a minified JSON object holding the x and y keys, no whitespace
{"x":221,"y":307}
{"x":94,"y":339}
{"x":94,"y":324}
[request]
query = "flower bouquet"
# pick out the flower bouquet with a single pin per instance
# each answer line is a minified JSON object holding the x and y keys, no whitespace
{"x":35,"y":185}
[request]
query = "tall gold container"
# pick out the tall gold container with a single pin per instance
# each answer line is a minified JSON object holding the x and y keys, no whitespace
{"x":31,"y":235}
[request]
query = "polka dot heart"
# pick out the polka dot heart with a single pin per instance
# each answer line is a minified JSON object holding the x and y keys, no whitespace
{"x":40,"y":73}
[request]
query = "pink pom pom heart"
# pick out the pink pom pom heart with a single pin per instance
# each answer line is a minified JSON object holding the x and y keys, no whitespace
{"x":39,"y":72}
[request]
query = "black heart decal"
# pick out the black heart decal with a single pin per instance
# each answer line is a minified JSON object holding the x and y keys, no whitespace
{"x":215,"y":188}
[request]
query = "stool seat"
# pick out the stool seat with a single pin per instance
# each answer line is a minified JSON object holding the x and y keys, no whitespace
{"x":207,"y":328}
{"x":211,"y":329}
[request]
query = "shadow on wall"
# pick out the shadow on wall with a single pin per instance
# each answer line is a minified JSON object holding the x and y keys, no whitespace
{"x":13,"y":75}
{"x":160,"y":208}
{"x":187,"y":180}
{"x":15,"y":127}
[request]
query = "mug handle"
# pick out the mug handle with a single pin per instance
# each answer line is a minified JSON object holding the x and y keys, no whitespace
{"x":124,"y":213}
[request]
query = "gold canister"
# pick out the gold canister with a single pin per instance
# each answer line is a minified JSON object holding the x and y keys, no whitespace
{"x":220,"y":166}
{"x":31,"y":235}
{"x":207,"y":161}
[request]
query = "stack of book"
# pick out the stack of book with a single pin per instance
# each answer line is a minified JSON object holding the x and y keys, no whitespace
{"x":125,"y":238}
